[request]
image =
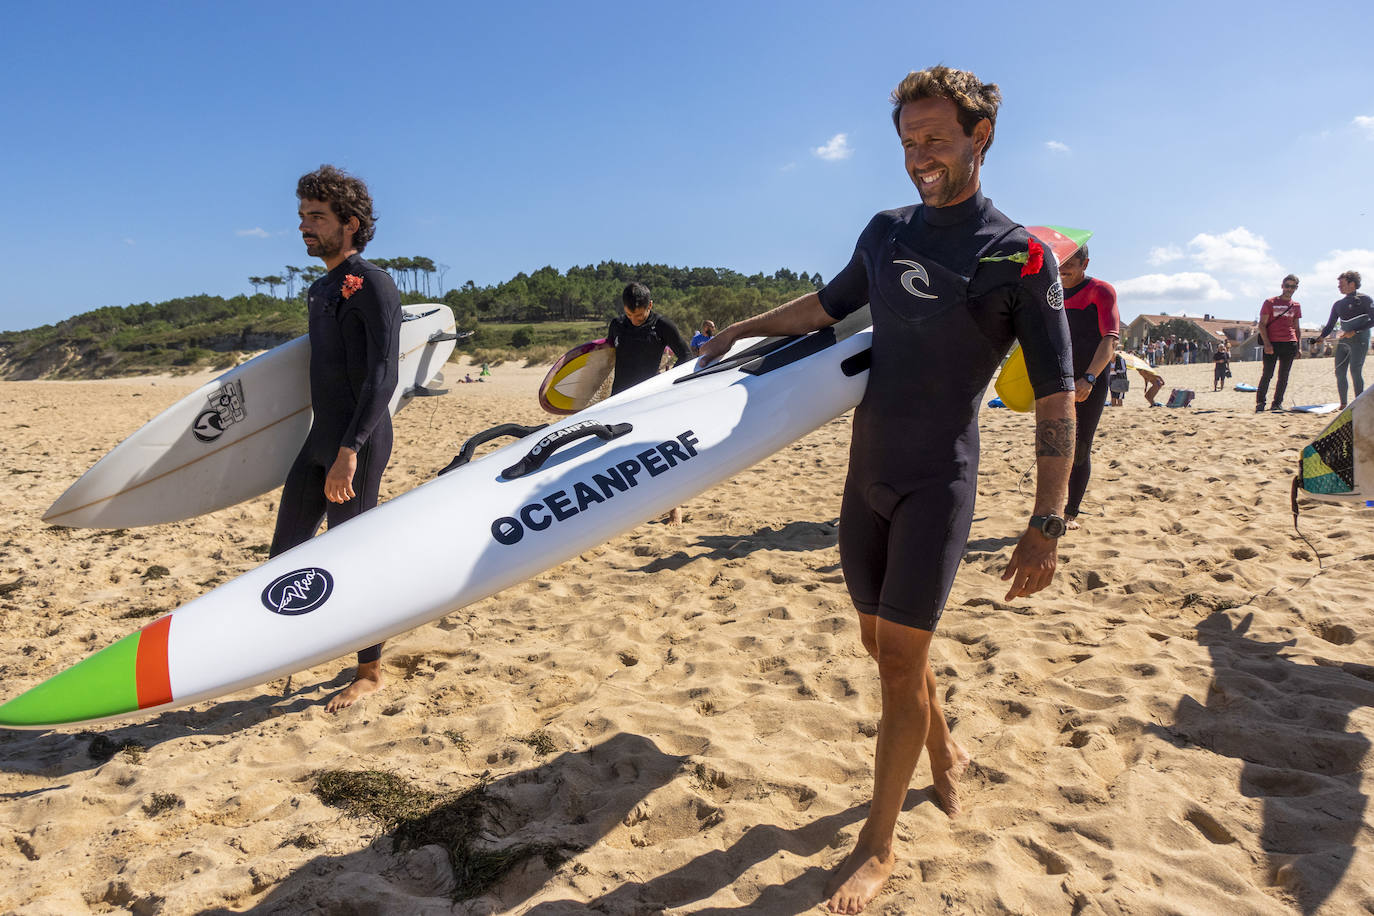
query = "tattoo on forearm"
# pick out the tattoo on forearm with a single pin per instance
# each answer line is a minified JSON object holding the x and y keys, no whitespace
{"x":1054,"y":438}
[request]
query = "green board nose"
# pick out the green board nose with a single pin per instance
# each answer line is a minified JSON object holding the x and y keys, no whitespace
{"x":125,"y":677}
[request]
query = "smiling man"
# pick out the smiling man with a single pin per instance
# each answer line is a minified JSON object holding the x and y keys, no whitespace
{"x":354,"y":312}
{"x":951,"y":282}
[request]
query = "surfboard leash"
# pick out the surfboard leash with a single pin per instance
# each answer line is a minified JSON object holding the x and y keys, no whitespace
{"x":1293,"y":497}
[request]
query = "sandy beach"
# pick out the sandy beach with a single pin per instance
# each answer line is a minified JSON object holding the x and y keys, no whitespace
{"x":681,"y":720}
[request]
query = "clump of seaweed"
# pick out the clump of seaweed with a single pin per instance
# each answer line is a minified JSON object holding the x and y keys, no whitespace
{"x":415,"y":817}
{"x":162,"y":801}
{"x":103,"y":748}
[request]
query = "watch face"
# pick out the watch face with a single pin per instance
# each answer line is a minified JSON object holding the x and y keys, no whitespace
{"x":1054,"y":526}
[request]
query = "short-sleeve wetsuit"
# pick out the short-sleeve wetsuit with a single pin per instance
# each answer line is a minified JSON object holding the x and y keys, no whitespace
{"x":949,"y":289}
{"x":354,"y":362}
{"x":1090,"y":308}
{"x":639,"y":350}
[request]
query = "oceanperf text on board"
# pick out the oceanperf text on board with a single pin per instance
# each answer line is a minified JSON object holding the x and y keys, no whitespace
{"x":561,"y":505}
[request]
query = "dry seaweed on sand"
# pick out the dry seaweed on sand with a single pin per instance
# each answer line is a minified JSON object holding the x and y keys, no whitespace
{"x":416,"y":817}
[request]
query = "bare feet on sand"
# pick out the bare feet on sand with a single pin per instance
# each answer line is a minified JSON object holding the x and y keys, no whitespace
{"x":675,"y":516}
{"x":865,"y":870}
{"x":1071,"y":524}
{"x":368,"y":679}
{"x":946,"y":781}
{"x":859,"y":878}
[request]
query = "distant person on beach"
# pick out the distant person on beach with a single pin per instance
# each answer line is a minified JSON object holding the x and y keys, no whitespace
{"x":708,"y":330}
{"x":1355,"y":311}
{"x":1118,"y":380}
{"x":1153,"y":382}
{"x":640,"y":337}
{"x":1221,"y":367}
{"x":951,"y":283}
{"x":1278,"y":329}
{"x":354,"y":313}
{"x":1095,"y":328}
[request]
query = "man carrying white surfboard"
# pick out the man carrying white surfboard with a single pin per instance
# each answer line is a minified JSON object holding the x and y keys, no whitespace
{"x":639,"y":338}
{"x":355,"y":323}
{"x":950,"y":284}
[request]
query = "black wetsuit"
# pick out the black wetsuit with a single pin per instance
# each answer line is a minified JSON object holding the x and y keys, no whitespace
{"x":639,"y":350}
{"x":1355,"y":312}
{"x":1090,"y":308}
{"x":949,"y":290}
{"x":354,"y":355}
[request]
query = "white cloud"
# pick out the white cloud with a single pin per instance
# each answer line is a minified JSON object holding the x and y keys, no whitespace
{"x":1181,"y":287}
{"x":256,"y":232}
{"x":128,"y":241}
{"x":1164,"y":255}
{"x":838,"y":148}
{"x":1364,"y":123}
{"x":1238,"y":251}
{"x":1337,"y":263}
{"x":1055,"y":146}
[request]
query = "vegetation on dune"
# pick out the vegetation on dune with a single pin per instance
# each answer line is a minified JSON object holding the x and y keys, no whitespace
{"x":530,"y":317}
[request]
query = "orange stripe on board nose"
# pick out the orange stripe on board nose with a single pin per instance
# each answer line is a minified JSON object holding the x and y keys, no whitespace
{"x":151,"y":673}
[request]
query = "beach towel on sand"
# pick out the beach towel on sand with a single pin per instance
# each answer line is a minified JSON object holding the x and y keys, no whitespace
{"x":1181,"y":397}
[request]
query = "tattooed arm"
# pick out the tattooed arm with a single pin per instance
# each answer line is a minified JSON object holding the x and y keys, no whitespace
{"x":1033,"y":562}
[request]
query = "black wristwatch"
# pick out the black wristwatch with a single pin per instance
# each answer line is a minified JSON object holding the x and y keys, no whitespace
{"x":1051,"y":526}
{"x":1089,"y":378}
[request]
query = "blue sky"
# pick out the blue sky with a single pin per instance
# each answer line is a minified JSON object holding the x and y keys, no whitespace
{"x":152,"y":149}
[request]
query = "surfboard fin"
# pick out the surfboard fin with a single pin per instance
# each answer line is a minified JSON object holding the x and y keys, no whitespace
{"x":420,"y":391}
{"x":440,"y":336}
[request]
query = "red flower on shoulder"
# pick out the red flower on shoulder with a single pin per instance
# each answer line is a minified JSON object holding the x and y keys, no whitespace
{"x":1035,"y":259}
{"x":351,"y":285}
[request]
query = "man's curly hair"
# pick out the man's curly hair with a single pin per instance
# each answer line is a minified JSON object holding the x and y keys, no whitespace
{"x":347,"y":197}
{"x":975,"y":99}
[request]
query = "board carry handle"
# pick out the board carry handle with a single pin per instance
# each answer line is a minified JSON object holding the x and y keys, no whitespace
{"x":551,"y":443}
{"x":496,"y":432}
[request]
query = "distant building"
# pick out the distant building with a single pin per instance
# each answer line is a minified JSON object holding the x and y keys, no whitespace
{"x":1234,"y":331}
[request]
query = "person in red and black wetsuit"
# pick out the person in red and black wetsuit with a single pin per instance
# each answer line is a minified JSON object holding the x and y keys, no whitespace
{"x":355,"y":337}
{"x":1094,"y":327}
{"x":950,"y":284}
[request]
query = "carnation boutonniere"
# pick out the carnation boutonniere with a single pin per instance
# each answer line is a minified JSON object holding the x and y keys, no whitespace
{"x":1035,"y":259}
{"x":351,"y":285}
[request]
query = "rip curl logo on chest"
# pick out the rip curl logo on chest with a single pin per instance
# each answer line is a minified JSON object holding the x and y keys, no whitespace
{"x":916,"y":273}
{"x":298,"y":592}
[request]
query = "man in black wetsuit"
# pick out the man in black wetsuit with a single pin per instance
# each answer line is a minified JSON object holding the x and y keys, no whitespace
{"x":355,"y":327}
{"x":640,"y":337}
{"x":950,"y":284}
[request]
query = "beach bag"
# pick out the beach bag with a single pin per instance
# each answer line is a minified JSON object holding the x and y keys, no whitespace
{"x":1180,"y":397}
{"x":1119,"y":384}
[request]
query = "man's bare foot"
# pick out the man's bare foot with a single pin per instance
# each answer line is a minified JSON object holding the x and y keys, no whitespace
{"x":1071,"y":524}
{"x":368,"y":679}
{"x":946,"y":779}
{"x":675,"y":516}
{"x":858,"y":879}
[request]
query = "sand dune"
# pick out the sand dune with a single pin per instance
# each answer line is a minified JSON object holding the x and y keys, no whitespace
{"x":681,"y":720}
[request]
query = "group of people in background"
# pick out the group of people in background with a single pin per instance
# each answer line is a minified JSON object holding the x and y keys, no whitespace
{"x":1280,"y":332}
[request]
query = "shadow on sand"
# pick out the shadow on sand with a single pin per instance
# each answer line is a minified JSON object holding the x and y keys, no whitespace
{"x":1287,"y":723}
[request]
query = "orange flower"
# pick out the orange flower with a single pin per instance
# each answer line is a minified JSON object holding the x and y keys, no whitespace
{"x":351,"y":285}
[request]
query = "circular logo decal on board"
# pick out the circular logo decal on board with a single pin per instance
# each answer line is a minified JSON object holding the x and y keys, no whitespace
{"x":208,"y":426}
{"x":298,"y":592}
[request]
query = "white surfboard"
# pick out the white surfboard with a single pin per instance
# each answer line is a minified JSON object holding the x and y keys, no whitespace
{"x":481,"y":526}
{"x":234,"y":437}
